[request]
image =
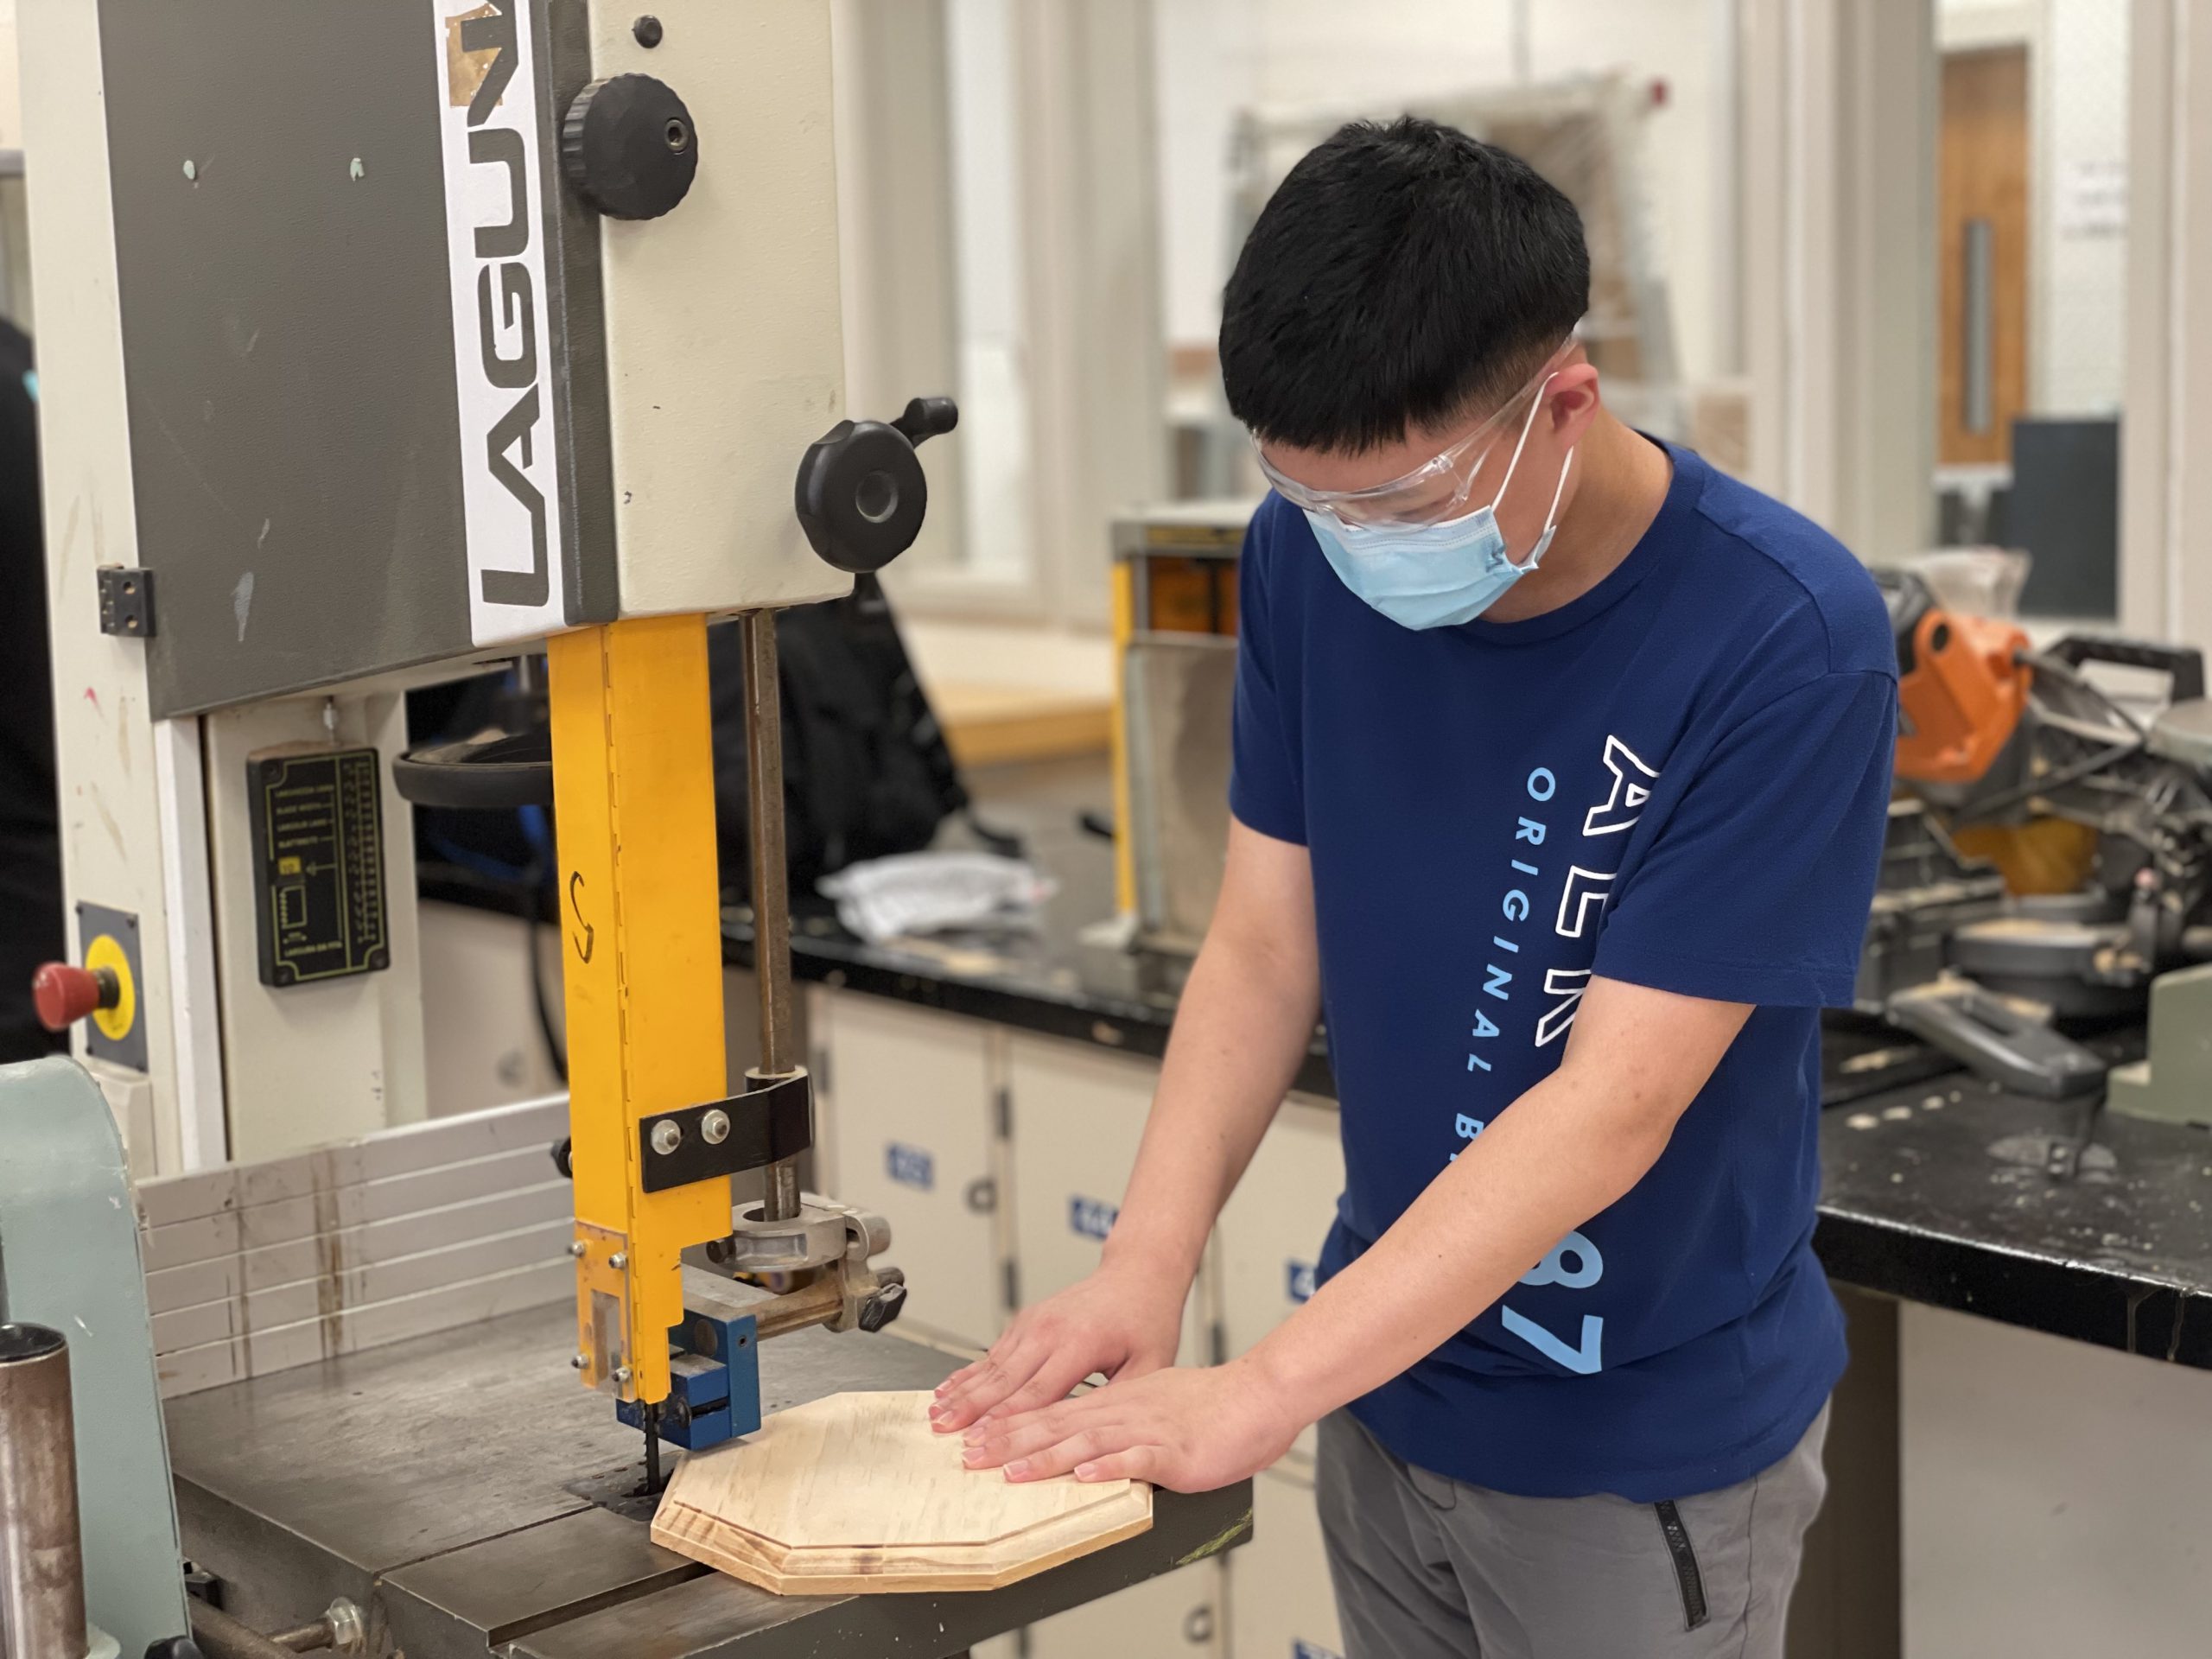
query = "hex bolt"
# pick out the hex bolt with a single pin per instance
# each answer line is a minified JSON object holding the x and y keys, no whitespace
{"x":349,"y":1629}
{"x":715,"y":1126}
{"x":668,"y":1135}
{"x":622,"y":1374}
{"x":576,"y":1248}
{"x":577,"y":1362}
{"x":619,"y":1261}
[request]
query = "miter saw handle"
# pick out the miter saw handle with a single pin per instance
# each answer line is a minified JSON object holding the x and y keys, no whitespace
{"x":2181,"y":665}
{"x":861,"y":493}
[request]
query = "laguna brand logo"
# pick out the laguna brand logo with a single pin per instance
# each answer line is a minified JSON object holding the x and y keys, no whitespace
{"x":502,"y":327}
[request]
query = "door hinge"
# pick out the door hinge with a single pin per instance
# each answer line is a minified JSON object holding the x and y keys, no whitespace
{"x":1012,"y":1273}
{"x":126,"y":596}
{"x":1218,"y":1342}
{"x":1003,"y":1108}
{"x":822,"y":1070}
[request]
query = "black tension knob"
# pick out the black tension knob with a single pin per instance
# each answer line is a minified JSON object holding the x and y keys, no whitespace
{"x":861,"y":492}
{"x":628,"y":147}
{"x":882,"y":1307}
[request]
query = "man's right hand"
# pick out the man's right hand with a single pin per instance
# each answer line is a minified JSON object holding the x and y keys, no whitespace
{"x":1122,"y":1321}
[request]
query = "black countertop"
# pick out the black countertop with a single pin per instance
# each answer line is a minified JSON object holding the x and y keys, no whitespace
{"x":1935,"y":1187}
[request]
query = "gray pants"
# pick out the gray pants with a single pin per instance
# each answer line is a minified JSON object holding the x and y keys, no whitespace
{"x":1427,"y":1567}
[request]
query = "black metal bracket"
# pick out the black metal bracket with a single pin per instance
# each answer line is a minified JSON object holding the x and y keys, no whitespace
{"x":126,"y":600}
{"x":763,"y":1126}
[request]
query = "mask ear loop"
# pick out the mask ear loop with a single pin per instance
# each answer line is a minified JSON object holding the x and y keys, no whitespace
{"x":1551,"y":519}
{"x":1521,"y":442}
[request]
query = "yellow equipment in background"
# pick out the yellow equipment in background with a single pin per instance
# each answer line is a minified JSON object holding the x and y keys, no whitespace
{"x":1174,"y":684}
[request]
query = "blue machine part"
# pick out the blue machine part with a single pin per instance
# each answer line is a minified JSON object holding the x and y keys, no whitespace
{"x":715,"y":1377}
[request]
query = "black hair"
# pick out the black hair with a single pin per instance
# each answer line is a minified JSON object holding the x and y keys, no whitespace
{"x":1398,"y":276}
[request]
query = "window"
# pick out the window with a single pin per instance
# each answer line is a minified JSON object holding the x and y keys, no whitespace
{"x":2032,"y":275}
{"x":1627,"y":105}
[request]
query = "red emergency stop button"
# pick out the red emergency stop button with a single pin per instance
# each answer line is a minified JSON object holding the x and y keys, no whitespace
{"x":64,"y":994}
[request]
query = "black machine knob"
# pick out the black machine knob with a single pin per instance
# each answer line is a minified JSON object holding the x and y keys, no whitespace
{"x":861,"y":492}
{"x":883,"y":1307}
{"x":628,"y":147}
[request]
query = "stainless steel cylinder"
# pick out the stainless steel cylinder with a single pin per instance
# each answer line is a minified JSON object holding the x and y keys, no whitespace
{"x":221,"y":1636}
{"x":42,"y":1551}
{"x":771,"y":915}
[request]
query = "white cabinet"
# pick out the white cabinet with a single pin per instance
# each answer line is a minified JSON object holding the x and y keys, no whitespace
{"x":1175,"y":1615}
{"x":1271,"y":1230}
{"x":1281,"y":1605}
{"x":908,"y":1102}
{"x":930,"y":1119}
{"x":1077,"y":1118}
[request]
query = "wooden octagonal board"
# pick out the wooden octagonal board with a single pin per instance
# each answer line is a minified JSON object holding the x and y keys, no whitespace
{"x":854,"y":1493}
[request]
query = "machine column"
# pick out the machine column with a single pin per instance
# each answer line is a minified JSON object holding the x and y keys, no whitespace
{"x":771,"y":917}
{"x":633,"y":782}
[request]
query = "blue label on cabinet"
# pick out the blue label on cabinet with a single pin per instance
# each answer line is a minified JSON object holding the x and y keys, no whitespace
{"x":1092,"y":1217}
{"x":910,"y":1165}
{"x":1298,"y":1277}
{"x":1312,"y":1650}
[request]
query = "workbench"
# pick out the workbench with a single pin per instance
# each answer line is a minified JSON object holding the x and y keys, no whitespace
{"x":1953,"y":1207}
{"x":485,"y":1497}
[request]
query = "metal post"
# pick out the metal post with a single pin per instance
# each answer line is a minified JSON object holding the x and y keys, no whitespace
{"x":772,"y":916}
{"x":42,"y":1551}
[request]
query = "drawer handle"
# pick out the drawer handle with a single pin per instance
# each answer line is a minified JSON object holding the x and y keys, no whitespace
{"x":1197,"y":1625}
{"x":981,"y":1195}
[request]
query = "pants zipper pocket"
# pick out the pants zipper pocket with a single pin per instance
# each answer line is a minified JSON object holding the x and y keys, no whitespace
{"x":1688,"y":1578}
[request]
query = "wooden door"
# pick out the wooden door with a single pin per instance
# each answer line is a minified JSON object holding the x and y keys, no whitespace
{"x":1982,"y":229}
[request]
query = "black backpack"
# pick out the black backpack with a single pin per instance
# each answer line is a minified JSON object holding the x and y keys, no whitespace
{"x":866,"y":770}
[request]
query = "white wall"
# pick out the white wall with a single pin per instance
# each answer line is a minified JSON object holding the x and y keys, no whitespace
{"x":11,"y":101}
{"x":993,"y":389}
{"x":2077,"y":355}
{"x":1219,"y":56}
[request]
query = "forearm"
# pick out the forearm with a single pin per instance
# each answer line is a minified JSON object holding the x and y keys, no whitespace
{"x":1246,"y":1020}
{"x":1573,"y":1145}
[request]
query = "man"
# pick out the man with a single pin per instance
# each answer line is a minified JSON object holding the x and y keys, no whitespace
{"x":1561,"y":764}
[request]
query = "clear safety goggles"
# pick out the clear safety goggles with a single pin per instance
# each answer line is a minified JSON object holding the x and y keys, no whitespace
{"x":1437,"y":490}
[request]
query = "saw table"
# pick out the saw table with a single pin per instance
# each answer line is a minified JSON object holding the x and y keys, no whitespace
{"x":506,"y":1527}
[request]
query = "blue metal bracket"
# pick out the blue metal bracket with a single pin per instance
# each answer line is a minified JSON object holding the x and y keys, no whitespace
{"x":715,"y":1377}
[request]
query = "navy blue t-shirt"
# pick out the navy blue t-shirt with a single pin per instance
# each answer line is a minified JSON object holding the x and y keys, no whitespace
{"x":1680,"y":779}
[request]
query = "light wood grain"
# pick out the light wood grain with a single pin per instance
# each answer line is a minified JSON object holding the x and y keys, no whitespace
{"x":997,"y":725}
{"x":854,"y":1493}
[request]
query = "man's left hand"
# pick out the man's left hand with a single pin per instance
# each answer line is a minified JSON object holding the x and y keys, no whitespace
{"x":1189,"y":1430}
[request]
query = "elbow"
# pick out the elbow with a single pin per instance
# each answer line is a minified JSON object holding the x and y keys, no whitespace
{"x":1640,"y":1146}
{"x":1633,"y":1128}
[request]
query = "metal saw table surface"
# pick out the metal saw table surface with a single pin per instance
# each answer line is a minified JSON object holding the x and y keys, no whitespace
{"x":449,"y":1484}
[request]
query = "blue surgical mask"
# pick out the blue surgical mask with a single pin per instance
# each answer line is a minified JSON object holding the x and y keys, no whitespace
{"x":1435,"y":575}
